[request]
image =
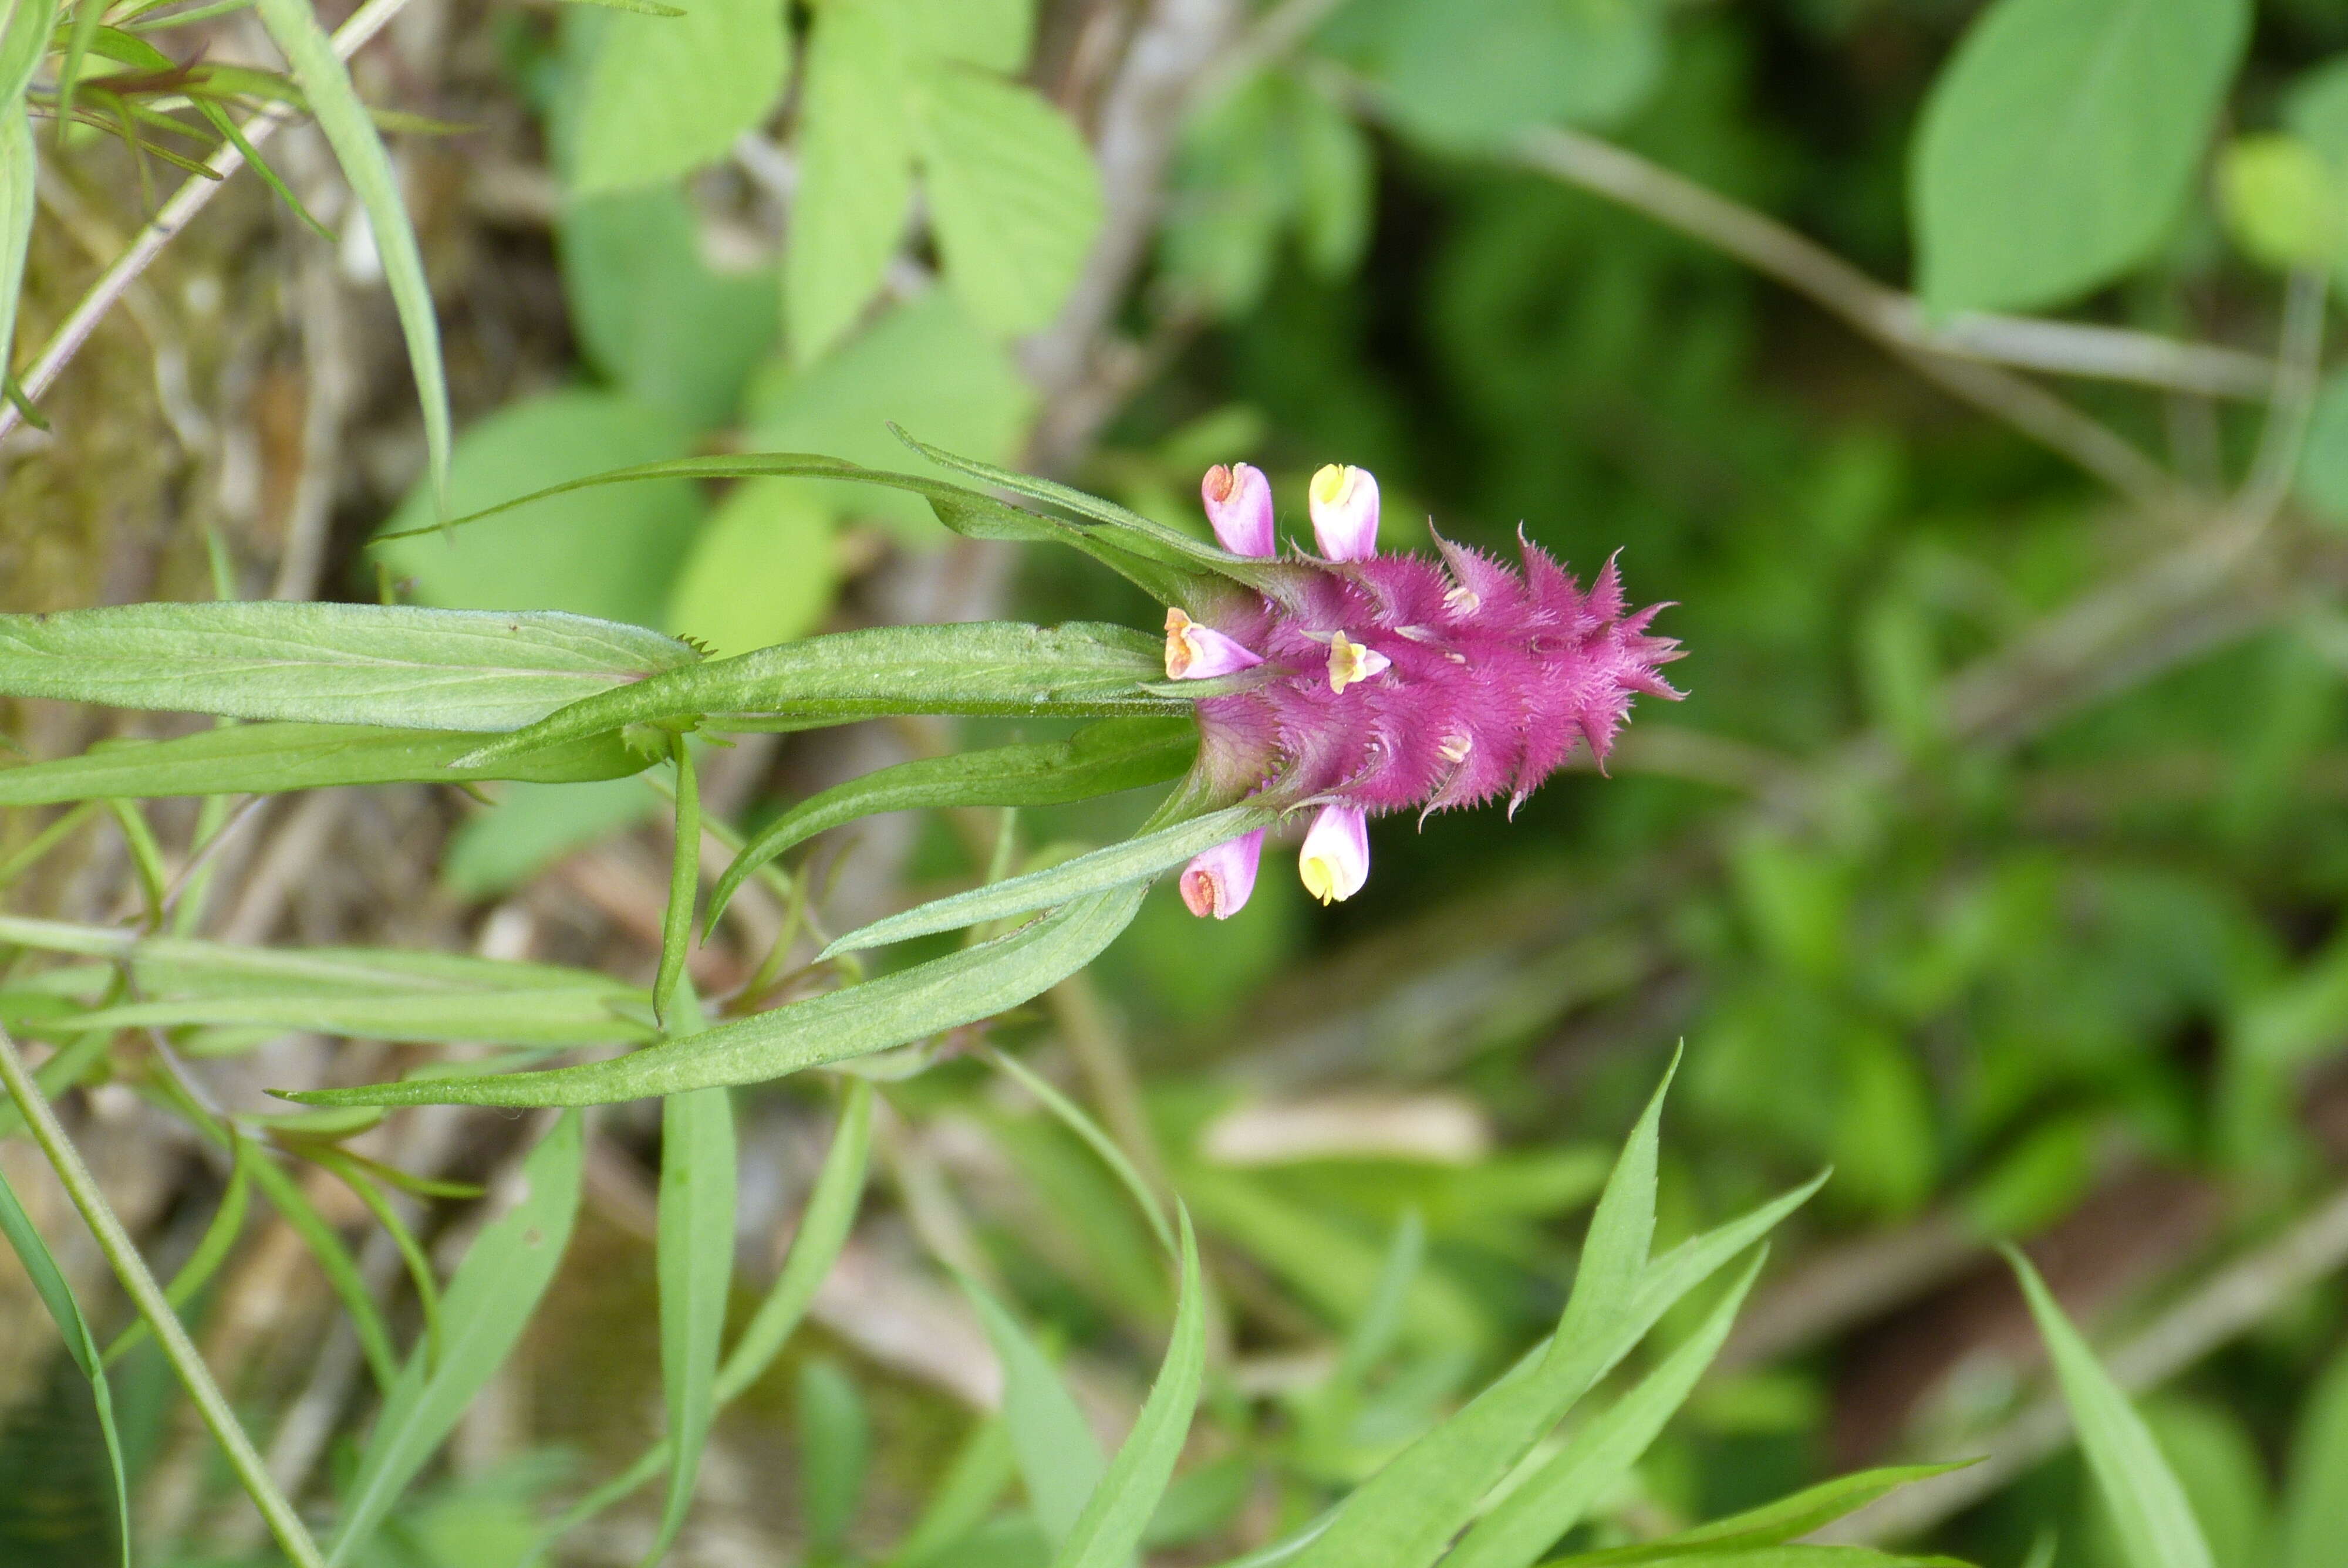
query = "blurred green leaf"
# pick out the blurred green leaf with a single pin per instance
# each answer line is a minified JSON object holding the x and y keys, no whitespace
{"x":19,"y":170}
{"x":695,"y":1251}
{"x":958,"y":1505}
{"x":2323,"y":481}
{"x":2316,"y":1504}
{"x":2218,"y":1465}
{"x":1470,"y":73}
{"x":1014,"y":197}
{"x":489,"y":1302}
{"x":1102,"y":758}
{"x":761,"y":572}
{"x":605,"y":552}
{"x":993,"y":34}
{"x":294,"y":28}
{"x":1119,"y":1510}
{"x":856,"y":174}
{"x":533,"y":825}
{"x":667,"y":329}
{"x":835,"y":1451}
{"x":2060,"y":142}
{"x":894,"y":1010}
{"x":1059,"y":1459}
{"x":668,"y":94}
{"x":328,"y":664}
{"x":1772,"y":1524}
{"x":2281,"y":201}
{"x":2147,"y":1508}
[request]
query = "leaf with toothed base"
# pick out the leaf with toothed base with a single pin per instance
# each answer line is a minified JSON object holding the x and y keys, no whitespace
{"x":909,"y":1005}
{"x":1083,"y":669}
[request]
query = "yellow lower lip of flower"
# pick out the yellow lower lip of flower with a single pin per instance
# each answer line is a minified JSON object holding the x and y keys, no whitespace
{"x":1320,"y":878}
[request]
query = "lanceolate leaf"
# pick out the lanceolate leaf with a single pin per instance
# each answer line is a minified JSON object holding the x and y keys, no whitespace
{"x":327,"y":85}
{"x":1059,"y":1459}
{"x":18,"y":170}
{"x":697,"y":1270}
{"x":489,"y":1300}
{"x":329,"y":664}
{"x":1084,"y":669}
{"x":1134,"y":860}
{"x":1773,"y":1523}
{"x":894,"y":1010}
{"x":1110,"y":1527}
{"x":269,"y":758}
{"x":1099,"y":759}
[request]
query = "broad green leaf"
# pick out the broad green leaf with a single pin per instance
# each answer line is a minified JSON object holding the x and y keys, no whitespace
{"x":1080,"y":668}
{"x":1136,"y":859}
{"x":1773,"y":1523}
{"x":653,"y":315}
{"x":856,"y":174}
{"x":326,"y":84}
{"x":1059,"y":1459}
{"x":488,"y":1304}
{"x":49,"y":1284}
{"x":18,"y":170}
{"x":895,"y":1010}
{"x":835,"y":1434}
{"x":922,"y":364}
{"x":1113,"y":1517}
{"x":2316,"y":1505}
{"x":762,"y":571}
{"x":1015,"y":198}
{"x":1469,"y":72}
{"x":668,"y":94}
{"x":1100,"y":759}
{"x":608,"y":553}
{"x":2147,"y":1508}
{"x":696,"y":1272}
{"x":271,"y":758}
{"x":993,"y":33}
{"x":1594,"y":1462}
{"x":328,"y":664}
{"x":2060,"y":142}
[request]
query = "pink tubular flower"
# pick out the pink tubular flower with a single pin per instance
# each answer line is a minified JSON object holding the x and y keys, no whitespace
{"x":1239,"y":503}
{"x":1196,"y":652}
{"x":1336,"y":859}
{"x":1221,"y":881}
{"x":1396,"y":682}
{"x":1344,"y":504}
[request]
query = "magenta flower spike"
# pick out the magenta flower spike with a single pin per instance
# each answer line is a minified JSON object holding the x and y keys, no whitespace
{"x":1344,"y":503}
{"x":1221,"y":881}
{"x":1336,"y":859}
{"x":1238,"y":504}
{"x":1401,"y":682}
{"x":1196,"y":652}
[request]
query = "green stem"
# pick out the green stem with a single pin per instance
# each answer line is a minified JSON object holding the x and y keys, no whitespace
{"x":147,"y":1296}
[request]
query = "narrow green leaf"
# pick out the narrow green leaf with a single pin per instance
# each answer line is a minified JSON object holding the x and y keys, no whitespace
{"x":1072,"y":1117}
{"x":1015,"y":198}
{"x":1373,"y":1333}
{"x":1773,"y":1523}
{"x":1100,"y":759}
{"x":1059,"y":1459}
{"x":856,"y":174}
{"x":334,"y":1261}
{"x":895,"y":1010}
{"x":211,"y":1249}
{"x":26,"y":31}
{"x":1108,"y":1530}
{"x":1556,"y":1498}
{"x":2060,"y":140}
{"x":293,"y":26}
{"x":960,"y":1502}
{"x":683,"y":881}
{"x":2315,"y":1506}
{"x":1082,"y":669}
{"x":49,"y":1284}
{"x":1786,"y":1556}
{"x":668,"y":94}
{"x":488,"y":1304}
{"x":357,"y":1176}
{"x":1134,"y":860}
{"x":823,"y":1230}
{"x":271,"y":758}
{"x":836,"y":1448}
{"x":328,"y":664}
{"x":2148,"y":1510}
{"x":696,"y":1272}
{"x":19,"y":161}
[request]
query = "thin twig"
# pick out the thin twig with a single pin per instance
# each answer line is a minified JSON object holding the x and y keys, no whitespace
{"x":1273,"y":37}
{"x":2232,"y":1301}
{"x":186,"y":202}
{"x":148,"y":1295}
{"x":2285,"y":435}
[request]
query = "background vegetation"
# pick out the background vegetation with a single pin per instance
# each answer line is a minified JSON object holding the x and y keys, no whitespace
{"x":1959,"y":370}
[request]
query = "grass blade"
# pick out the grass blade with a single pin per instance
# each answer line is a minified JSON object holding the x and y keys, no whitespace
{"x":327,"y":85}
{"x":683,"y":881}
{"x":211,"y":1249}
{"x":894,"y":1010}
{"x":329,"y":664}
{"x":1136,"y":859}
{"x":1555,"y":1498}
{"x":1058,"y":1457}
{"x":1772,"y":1524}
{"x":49,"y":1284}
{"x":488,"y":1303}
{"x":2149,"y":1513}
{"x":334,"y":1261}
{"x":1071,"y":1115}
{"x":696,"y":1271}
{"x":1105,"y":1535}
{"x":1100,"y":759}
{"x":1082,"y":669}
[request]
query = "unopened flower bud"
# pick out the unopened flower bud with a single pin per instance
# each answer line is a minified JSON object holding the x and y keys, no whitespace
{"x":1239,"y":503}
{"x":1344,"y":503}
{"x":1336,"y":859}
{"x":1220,"y":881}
